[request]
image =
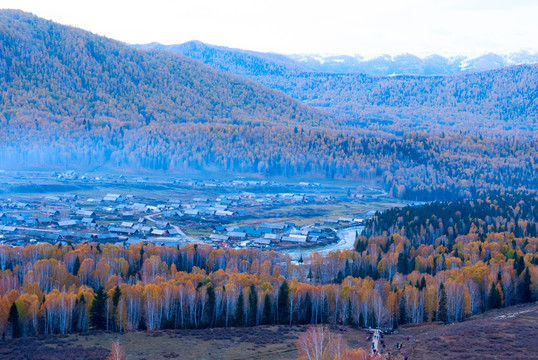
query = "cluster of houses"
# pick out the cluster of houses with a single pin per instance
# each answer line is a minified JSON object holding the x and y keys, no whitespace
{"x":271,"y":234}
{"x":112,"y":218}
{"x":236,"y":183}
{"x":344,"y":221}
{"x":124,"y":218}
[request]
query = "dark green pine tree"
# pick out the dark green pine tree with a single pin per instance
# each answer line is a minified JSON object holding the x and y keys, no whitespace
{"x":240,"y":310}
{"x":252,"y":306}
{"x":403,"y":264}
{"x":14,"y":321}
{"x":283,"y":304}
{"x":412,"y":264}
{"x":115,"y":301}
{"x":422,"y":283}
{"x":339,"y":277}
{"x":76,"y":266}
{"x":116,"y":296}
{"x":98,"y":309}
{"x":307,"y":309}
{"x":141,"y":258}
{"x":210,"y":308}
{"x":267,"y":317}
{"x":525,"y":294}
{"x":349,"y":315}
{"x":519,"y":263}
{"x":325,"y":311}
{"x":443,"y":311}
{"x":494,"y":298}
{"x":81,"y":315}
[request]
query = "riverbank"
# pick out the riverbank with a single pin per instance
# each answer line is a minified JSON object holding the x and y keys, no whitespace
{"x":346,"y":240}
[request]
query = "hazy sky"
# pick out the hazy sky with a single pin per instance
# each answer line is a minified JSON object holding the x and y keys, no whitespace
{"x":421,"y":27}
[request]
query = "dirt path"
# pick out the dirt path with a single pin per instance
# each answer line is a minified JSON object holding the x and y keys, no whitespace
{"x":375,"y":343}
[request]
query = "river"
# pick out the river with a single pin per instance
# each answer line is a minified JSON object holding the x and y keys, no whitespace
{"x":346,"y":240}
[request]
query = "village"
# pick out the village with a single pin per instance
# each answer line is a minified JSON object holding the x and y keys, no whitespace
{"x":241,"y":215}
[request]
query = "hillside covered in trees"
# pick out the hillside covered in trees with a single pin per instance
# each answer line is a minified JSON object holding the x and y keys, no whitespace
{"x":74,"y":99}
{"x":235,"y":61}
{"x":394,"y":276}
{"x":67,"y":74}
{"x":247,"y":62}
{"x":494,"y":100}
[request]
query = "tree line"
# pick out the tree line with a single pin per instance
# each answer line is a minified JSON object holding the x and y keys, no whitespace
{"x":387,"y":280}
{"x":418,"y":166}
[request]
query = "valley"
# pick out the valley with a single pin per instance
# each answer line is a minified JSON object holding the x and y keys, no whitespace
{"x":294,"y":217}
{"x":194,"y":201}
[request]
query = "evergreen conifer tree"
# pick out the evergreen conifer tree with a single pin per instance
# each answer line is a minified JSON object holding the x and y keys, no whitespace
{"x":443,"y":311}
{"x":525,"y":294}
{"x":14,"y":321}
{"x":307,"y":308}
{"x":403,"y":264}
{"x":98,"y":309}
{"x":210,"y":307}
{"x":252,"y":305}
{"x":283,"y":304}
{"x":494,"y":298}
{"x":240,"y":310}
{"x":267,"y":318}
{"x":76,"y":266}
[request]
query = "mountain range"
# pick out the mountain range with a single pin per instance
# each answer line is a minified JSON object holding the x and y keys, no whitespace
{"x":408,"y":64}
{"x":64,"y":71}
{"x":72,"y":99}
{"x":490,"y":100}
{"x":246,"y":62}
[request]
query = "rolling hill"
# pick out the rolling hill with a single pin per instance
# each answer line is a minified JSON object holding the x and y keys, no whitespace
{"x":67,"y":72}
{"x":235,"y":61}
{"x":494,"y":100}
{"x":253,"y":63}
{"x":497,"y":100}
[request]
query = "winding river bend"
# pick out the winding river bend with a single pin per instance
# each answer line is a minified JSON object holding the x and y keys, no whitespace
{"x":346,"y":239}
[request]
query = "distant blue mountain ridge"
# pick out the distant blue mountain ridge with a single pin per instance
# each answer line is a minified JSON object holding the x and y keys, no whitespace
{"x":246,"y":62}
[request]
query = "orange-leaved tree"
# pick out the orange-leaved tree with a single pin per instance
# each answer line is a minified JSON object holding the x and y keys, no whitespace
{"x":319,"y":343}
{"x":117,"y":353}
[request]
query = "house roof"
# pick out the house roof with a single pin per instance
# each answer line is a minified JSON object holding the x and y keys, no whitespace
{"x":236,"y":234}
{"x":123,"y":230}
{"x":294,"y":239}
{"x":262,"y":241}
{"x":67,"y":223}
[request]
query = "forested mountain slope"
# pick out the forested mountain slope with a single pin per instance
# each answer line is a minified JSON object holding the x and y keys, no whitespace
{"x":247,"y":62}
{"x":72,"y":99}
{"x":67,"y":72}
{"x":505,"y":98}
{"x":236,"y":61}
{"x":494,"y":100}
